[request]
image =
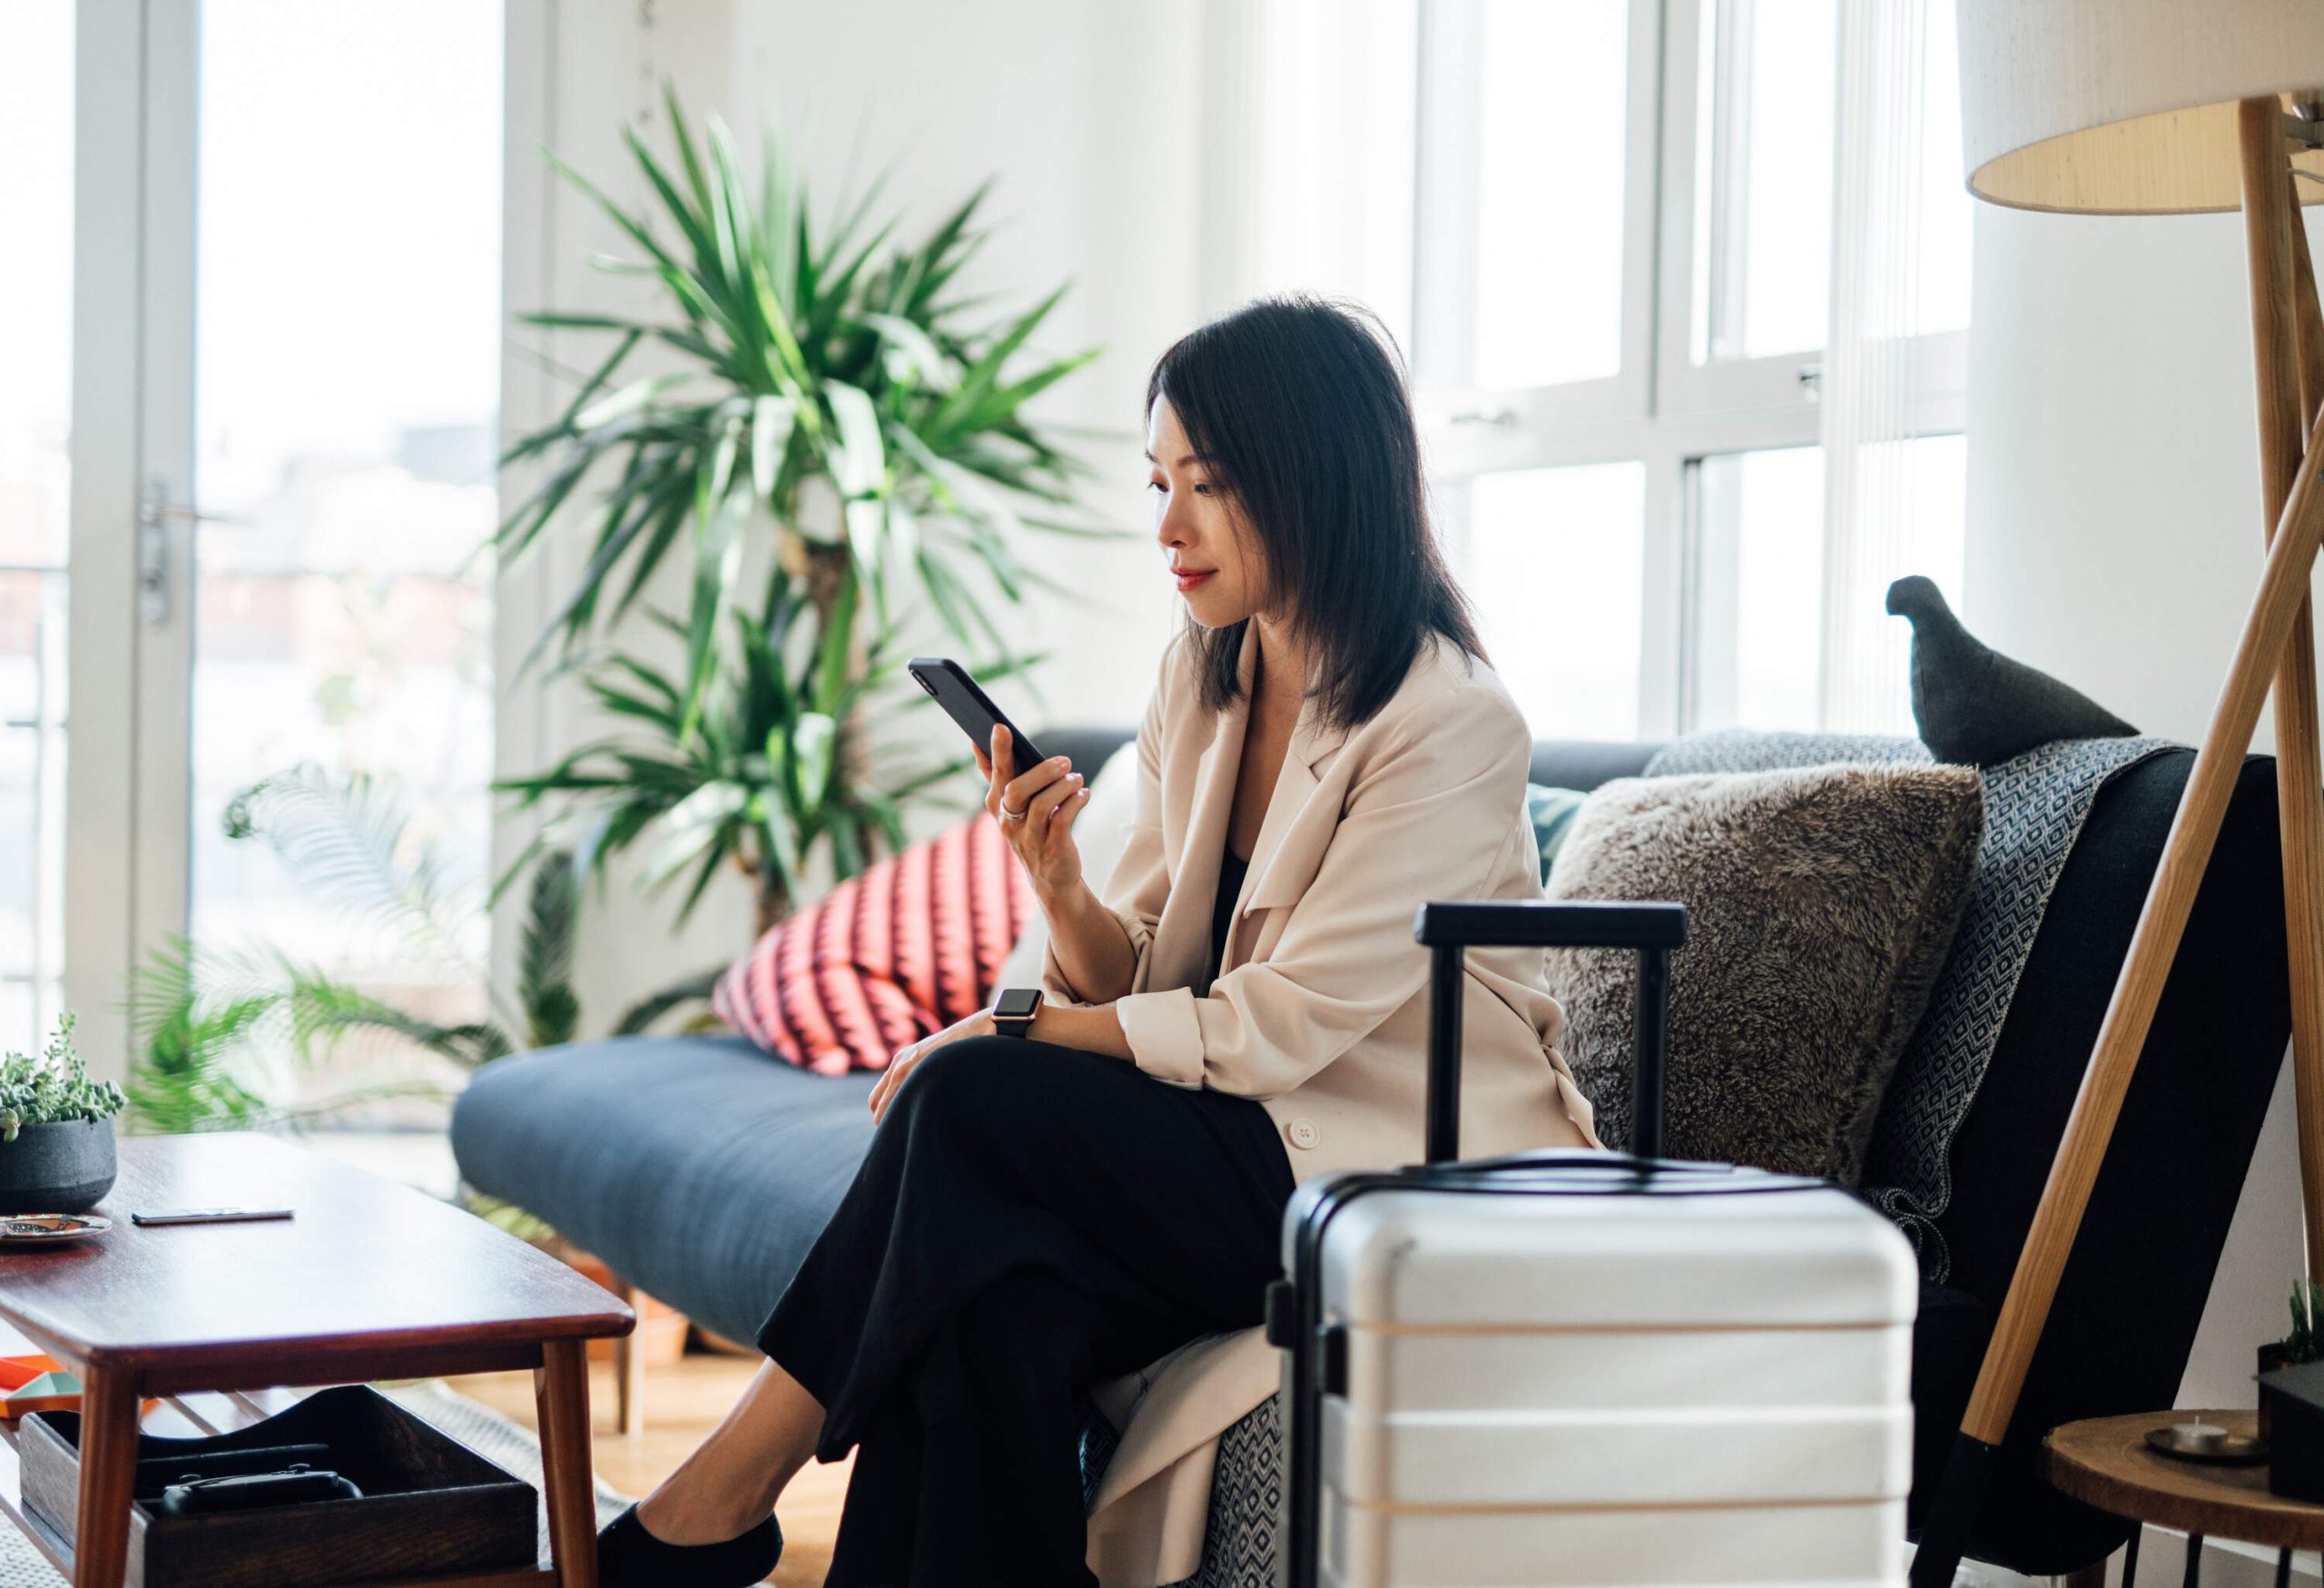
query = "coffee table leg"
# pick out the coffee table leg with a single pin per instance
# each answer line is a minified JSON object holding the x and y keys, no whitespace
{"x":108,"y":1477}
{"x":562,"y":1396}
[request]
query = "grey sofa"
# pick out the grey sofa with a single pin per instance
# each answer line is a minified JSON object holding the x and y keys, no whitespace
{"x":700,"y":1170}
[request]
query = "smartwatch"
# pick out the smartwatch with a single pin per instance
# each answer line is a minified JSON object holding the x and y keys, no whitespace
{"x":1013,"y":1011}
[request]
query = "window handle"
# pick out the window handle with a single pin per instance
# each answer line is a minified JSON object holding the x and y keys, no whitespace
{"x":155,"y":514}
{"x":1501,"y":418}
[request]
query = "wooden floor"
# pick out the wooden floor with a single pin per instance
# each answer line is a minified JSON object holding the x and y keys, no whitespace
{"x":683,"y":1403}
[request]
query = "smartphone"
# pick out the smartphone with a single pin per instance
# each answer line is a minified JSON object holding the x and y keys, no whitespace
{"x":971,"y":707}
{"x":207,"y":1214}
{"x":156,"y":1472}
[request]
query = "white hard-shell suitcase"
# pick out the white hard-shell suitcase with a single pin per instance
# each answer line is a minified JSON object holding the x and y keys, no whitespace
{"x":1567,"y":1368}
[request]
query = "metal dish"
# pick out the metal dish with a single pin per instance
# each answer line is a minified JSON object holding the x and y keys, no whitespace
{"x":2206,"y":1442}
{"x":49,"y":1228}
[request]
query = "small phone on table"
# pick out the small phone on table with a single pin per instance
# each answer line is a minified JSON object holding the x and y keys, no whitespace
{"x":971,"y":707}
{"x":205,"y":1215}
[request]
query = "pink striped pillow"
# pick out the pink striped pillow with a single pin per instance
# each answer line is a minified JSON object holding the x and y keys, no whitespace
{"x":906,"y":948}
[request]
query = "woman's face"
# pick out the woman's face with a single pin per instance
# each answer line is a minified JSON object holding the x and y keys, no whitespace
{"x":1215,"y":564}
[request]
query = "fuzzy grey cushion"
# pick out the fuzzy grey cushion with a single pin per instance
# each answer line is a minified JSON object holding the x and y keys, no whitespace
{"x":1821,"y":902}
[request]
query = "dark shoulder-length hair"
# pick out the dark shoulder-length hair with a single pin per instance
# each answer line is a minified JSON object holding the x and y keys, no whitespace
{"x":1298,"y":407}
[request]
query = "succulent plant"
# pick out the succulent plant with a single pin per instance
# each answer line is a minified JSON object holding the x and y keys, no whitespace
{"x":2306,"y":1341}
{"x":53,"y":1088}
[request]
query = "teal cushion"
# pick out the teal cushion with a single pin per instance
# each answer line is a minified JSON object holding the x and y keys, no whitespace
{"x":1552,"y":809}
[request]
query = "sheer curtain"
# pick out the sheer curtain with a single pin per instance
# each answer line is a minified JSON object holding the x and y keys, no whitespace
{"x":1309,"y":148}
{"x":1892,"y":495}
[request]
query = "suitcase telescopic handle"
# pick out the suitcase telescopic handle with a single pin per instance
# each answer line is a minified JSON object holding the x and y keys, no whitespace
{"x":1448,"y":929}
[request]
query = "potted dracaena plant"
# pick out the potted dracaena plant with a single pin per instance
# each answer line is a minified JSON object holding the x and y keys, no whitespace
{"x":799,"y":361}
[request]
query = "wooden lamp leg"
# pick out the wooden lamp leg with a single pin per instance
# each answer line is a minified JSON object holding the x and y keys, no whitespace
{"x":2281,"y":598}
{"x":2300,"y":778}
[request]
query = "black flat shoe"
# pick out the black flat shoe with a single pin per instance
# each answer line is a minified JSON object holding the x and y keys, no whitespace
{"x":630,"y":1557}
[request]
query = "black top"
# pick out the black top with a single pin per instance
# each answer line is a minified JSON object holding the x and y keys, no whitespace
{"x":1231,"y":867}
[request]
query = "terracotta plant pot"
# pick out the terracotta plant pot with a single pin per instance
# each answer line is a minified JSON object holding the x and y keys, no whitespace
{"x":661,"y":1328}
{"x":66,"y":1166}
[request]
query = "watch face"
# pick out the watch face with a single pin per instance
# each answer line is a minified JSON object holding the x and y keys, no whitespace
{"x":1016,"y":1003}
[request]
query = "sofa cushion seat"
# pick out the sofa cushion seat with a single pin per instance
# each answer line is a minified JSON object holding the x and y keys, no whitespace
{"x":698,"y":1167}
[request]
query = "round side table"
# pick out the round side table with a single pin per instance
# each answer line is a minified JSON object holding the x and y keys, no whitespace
{"x":2104,"y":1462}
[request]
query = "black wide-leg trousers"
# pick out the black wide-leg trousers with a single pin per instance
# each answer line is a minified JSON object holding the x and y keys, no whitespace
{"x":1030,"y":1220}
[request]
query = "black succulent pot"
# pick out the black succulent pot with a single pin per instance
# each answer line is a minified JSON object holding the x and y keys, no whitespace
{"x":2272,"y":1356}
{"x":61,"y":1167}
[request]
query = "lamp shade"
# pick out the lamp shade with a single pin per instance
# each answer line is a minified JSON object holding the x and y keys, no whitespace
{"x":2126,"y":107}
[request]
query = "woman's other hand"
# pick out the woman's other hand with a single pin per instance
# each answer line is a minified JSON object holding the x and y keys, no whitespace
{"x":1036,"y":810}
{"x":891,"y":1080}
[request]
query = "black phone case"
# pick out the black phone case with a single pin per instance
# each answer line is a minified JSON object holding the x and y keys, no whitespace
{"x":296,"y":1485}
{"x":949,"y":684}
{"x":156,"y":1472}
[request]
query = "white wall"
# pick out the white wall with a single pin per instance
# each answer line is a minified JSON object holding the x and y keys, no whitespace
{"x":576,"y":74}
{"x":1084,"y":115}
{"x":2114,"y":538}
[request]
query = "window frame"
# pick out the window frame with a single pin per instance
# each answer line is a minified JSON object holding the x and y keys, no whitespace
{"x":1660,"y":407}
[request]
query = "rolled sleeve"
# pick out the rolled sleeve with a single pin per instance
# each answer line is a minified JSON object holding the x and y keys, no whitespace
{"x":1140,"y":881}
{"x":1164,"y":1031}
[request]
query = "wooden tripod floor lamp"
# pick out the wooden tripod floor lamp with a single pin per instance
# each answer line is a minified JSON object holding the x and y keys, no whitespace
{"x":2162,"y":107}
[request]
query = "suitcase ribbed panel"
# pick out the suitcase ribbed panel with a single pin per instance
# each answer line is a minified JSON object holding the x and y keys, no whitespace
{"x":1632,"y":1370}
{"x":1476,"y":1259}
{"x":1689,"y":1455}
{"x":1776,"y":1546}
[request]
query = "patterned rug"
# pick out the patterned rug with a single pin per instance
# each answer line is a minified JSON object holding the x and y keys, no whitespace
{"x":497,"y":1439}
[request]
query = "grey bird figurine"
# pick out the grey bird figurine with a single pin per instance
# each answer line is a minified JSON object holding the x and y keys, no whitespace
{"x":1976,"y":707}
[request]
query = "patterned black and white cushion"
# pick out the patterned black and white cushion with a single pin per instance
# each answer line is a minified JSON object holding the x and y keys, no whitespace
{"x":1238,"y":1545}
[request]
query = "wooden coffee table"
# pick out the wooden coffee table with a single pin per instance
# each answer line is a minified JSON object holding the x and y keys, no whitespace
{"x":369,"y":1280}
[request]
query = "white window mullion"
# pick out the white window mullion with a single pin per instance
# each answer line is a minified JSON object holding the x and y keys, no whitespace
{"x":1641,"y":208}
{"x":1664,"y":606}
{"x":1445,"y":208}
{"x":167,"y":528}
{"x":124,"y":840}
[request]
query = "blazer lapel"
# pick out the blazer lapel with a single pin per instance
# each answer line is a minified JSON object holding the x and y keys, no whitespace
{"x":1278,"y":876}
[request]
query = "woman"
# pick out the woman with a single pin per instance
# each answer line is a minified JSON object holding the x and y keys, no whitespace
{"x":1325,"y":749}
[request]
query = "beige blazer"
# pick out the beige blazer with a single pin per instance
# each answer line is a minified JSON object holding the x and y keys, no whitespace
{"x":1320,"y":1009}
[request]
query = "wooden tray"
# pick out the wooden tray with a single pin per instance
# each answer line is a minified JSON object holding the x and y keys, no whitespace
{"x":430,"y":1505}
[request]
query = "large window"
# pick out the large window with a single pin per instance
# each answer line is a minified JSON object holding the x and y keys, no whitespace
{"x":341,"y":615}
{"x":36,"y":410}
{"x":1634,"y":229}
{"x":253,"y":279}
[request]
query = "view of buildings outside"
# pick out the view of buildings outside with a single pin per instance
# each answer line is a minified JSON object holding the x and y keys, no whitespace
{"x":35,"y":498}
{"x":346,"y":391}
{"x":347,"y":335}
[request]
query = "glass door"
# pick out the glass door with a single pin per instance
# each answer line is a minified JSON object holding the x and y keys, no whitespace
{"x":346,"y":386}
{"x":37,"y":113}
{"x":317,"y":382}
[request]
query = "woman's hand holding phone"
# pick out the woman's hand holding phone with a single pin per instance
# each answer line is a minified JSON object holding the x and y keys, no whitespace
{"x":1036,"y":809}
